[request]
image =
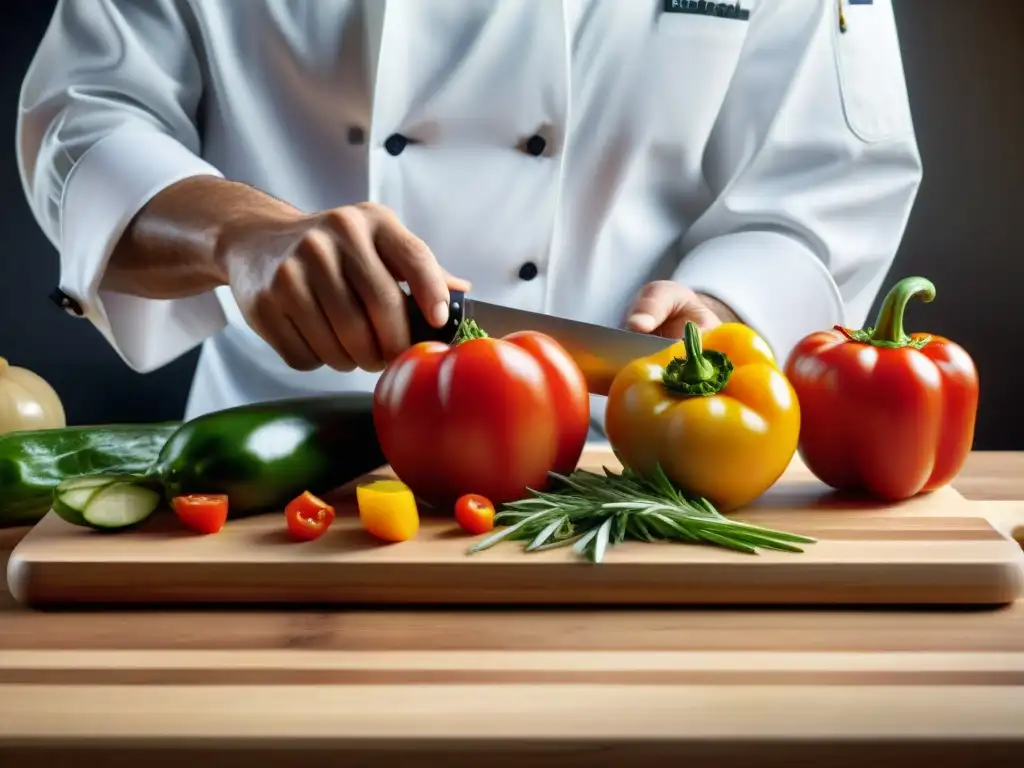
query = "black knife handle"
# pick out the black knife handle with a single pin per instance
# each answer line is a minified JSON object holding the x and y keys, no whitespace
{"x":421,"y":330}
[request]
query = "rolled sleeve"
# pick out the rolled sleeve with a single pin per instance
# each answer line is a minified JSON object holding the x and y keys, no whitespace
{"x":107,"y":119}
{"x":108,"y":186}
{"x":773,"y":283}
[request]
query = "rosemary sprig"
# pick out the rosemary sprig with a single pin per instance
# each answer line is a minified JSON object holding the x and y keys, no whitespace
{"x":593,"y":512}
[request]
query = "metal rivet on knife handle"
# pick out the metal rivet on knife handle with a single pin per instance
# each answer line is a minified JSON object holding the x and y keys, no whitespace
{"x":420,"y":328}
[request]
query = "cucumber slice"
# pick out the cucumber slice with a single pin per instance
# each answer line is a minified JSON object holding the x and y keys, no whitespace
{"x":72,"y":496}
{"x":120,"y":505}
{"x":67,"y":513}
{"x":78,"y":483}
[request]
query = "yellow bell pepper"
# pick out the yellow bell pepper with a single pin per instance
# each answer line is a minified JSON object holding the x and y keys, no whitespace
{"x":387,"y":510}
{"x":722,"y":422}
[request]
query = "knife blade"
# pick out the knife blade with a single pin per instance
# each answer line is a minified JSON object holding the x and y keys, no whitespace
{"x":599,"y":351}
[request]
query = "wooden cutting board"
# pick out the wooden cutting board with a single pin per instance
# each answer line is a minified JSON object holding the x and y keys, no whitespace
{"x":935,"y":549}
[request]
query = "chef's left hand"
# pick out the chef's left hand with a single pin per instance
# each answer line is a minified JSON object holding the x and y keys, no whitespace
{"x":664,"y":307}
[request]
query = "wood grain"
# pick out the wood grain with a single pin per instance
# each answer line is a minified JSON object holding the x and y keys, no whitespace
{"x":498,"y":687}
{"x":563,"y":711}
{"x":576,"y":723}
{"x":510,"y":667}
{"x":937,"y":548}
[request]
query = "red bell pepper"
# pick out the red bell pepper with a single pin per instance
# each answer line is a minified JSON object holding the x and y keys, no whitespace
{"x":883,"y":411}
{"x":484,"y":415}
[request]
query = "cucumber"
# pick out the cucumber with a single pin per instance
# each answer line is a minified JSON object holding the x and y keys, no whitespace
{"x":261,"y":456}
{"x":106,"y":503}
{"x":34,"y":462}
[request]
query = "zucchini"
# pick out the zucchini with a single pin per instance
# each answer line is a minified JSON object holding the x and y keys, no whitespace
{"x":34,"y":462}
{"x":264,"y":455}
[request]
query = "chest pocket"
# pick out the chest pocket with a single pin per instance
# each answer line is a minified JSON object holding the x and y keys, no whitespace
{"x":871,"y":79}
{"x":693,"y":58}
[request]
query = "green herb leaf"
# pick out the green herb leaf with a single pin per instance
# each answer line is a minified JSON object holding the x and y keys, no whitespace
{"x":592,"y":512}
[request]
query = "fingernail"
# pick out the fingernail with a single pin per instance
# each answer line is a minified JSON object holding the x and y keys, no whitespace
{"x":439,"y":314}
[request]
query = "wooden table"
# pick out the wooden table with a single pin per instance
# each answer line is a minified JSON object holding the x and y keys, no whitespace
{"x":353,"y":688}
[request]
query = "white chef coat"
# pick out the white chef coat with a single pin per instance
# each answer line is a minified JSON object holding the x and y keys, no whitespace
{"x":759,"y":155}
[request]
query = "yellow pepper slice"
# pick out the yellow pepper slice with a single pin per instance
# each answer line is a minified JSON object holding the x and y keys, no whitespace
{"x":716,"y":413}
{"x":387,"y":510}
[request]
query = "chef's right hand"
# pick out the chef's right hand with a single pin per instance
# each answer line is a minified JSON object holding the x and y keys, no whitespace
{"x":323,"y":289}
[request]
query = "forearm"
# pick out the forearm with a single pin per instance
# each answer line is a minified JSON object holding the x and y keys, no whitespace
{"x":170,"y":249}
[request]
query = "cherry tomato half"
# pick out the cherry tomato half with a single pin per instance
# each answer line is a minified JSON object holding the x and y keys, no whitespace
{"x":308,"y":517}
{"x":203,"y":513}
{"x":474,"y":513}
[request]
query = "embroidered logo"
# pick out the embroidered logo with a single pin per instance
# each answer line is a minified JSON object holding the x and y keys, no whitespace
{"x":707,"y":8}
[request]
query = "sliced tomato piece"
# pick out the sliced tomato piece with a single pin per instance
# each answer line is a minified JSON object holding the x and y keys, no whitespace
{"x":202,"y":512}
{"x":474,"y":513}
{"x":308,"y":517}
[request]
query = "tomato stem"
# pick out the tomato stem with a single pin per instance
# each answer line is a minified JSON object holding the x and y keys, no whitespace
{"x":468,"y":330}
{"x":701,"y":373}
{"x":888,"y":329}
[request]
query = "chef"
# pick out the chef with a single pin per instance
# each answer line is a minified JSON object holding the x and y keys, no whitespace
{"x":258,"y":177}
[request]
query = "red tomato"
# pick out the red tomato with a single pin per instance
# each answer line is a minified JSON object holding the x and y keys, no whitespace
{"x":474,"y":514}
{"x":203,"y":513}
{"x":308,"y":517}
{"x":488,"y":416}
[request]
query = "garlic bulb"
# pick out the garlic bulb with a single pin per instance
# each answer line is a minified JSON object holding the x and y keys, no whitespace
{"x":27,"y":401}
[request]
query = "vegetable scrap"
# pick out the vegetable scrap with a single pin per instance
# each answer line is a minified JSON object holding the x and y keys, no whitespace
{"x":388,"y":511}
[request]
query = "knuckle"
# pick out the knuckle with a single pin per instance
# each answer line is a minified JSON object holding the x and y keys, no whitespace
{"x":315,"y":243}
{"x":287,"y":278}
{"x":346,"y":219}
{"x":658,"y":287}
{"x":418,"y":255}
{"x":372,"y":209}
{"x":389,"y":297}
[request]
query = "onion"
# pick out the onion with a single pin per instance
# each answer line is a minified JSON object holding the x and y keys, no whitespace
{"x":27,"y":401}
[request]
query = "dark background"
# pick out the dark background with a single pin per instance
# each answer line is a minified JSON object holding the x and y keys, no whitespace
{"x":964,"y":62}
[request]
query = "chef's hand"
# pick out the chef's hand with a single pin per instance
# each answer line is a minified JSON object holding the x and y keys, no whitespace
{"x":323,"y":289}
{"x":664,"y":307}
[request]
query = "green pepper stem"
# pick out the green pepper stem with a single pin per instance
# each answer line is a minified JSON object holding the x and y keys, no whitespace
{"x":888,"y":329}
{"x":701,"y":373}
{"x":889,"y":325}
{"x":468,"y":330}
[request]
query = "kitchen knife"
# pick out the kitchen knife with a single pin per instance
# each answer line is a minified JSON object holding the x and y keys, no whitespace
{"x":600,"y":352}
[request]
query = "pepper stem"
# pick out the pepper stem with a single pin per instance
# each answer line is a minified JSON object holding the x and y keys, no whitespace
{"x":701,"y":373}
{"x":468,"y":330}
{"x":888,"y":329}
